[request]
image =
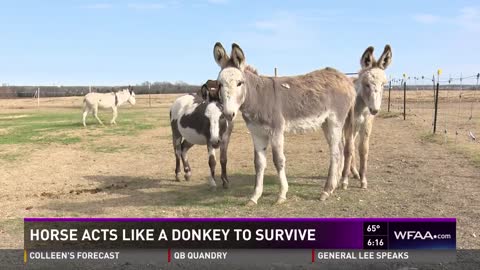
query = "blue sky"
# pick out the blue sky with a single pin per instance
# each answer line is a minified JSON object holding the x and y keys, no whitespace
{"x":127,"y":42}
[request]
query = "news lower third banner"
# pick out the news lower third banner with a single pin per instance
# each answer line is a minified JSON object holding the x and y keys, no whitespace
{"x":239,"y":240}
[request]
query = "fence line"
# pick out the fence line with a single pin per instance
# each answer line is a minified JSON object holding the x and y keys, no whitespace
{"x":453,"y":105}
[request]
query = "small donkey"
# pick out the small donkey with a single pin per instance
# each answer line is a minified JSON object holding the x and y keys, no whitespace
{"x":369,"y":86}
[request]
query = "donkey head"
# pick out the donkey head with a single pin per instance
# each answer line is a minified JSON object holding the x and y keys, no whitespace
{"x":372,"y":78}
{"x":231,"y":79}
{"x":131,"y":98}
{"x":209,"y":91}
{"x":216,"y":120}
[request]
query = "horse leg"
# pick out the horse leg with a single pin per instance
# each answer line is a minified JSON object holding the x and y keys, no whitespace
{"x":85,"y":113}
{"x":212,"y":163}
{"x":223,"y":154}
{"x":260,"y":142}
{"x":177,"y":148}
{"x":115,"y":113}
{"x":95,"y":113}
{"x":334,"y":133}
{"x":178,"y":152}
{"x":364,"y":145}
{"x":277,"y":141}
{"x":186,"y":166}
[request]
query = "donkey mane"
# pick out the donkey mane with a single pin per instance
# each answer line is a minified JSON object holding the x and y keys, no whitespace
{"x":251,"y":69}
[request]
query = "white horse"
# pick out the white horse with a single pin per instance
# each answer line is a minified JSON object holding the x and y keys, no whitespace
{"x":112,"y":100}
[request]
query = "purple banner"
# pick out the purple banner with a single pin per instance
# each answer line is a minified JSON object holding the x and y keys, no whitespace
{"x":236,"y":233}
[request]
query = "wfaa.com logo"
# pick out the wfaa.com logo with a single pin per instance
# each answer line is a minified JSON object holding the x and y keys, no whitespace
{"x":419,"y":235}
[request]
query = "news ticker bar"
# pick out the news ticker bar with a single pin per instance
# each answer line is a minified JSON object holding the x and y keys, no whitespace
{"x":241,"y":233}
{"x":237,"y":256}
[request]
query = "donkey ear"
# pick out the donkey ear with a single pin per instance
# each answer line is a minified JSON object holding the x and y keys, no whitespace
{"x":238,"y":57}
{"x":386,"y":57}
{"x":367,"y":59}
{"x":220,"y":55}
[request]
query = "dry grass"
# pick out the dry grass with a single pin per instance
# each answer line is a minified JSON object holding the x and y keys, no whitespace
{"x":128,"y":171}
{"x":458,"y":117}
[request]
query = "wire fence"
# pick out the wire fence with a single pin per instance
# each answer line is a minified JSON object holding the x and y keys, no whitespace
{"x":449,"y":107}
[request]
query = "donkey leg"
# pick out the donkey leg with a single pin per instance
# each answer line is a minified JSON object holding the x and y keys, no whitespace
{"x":186,"y":166}
{"x":277,"y":141}
{"x":335,"y":135}
{"x":223,"y":155}
{"x":260,"y":142}
{"x":353,"y":166}
{"x":348,"y":155}
{"x":346,"y":148}
{"x":342,"y":160}
{"x":364,"y":146}
{"x":212,"y":163}
{"x":326,"y":132}
{"x":115,"y":113}
{"x":95,"y":113}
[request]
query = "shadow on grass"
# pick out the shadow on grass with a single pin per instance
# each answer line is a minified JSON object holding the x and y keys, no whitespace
{"x":134,"y":191}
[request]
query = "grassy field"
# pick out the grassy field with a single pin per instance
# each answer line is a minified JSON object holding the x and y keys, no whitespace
{"x":50,"y":165}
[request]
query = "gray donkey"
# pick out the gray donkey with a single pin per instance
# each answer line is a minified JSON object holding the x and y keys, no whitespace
{"x":272,"y":106}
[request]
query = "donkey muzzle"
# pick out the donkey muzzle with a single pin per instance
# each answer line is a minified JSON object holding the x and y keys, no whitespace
{"x":229,"y":116}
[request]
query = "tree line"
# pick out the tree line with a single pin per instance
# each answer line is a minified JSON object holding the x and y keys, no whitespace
{"x":65,"y":91}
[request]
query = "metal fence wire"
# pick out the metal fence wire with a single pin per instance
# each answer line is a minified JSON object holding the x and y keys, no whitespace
{"x":444,"y":106}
